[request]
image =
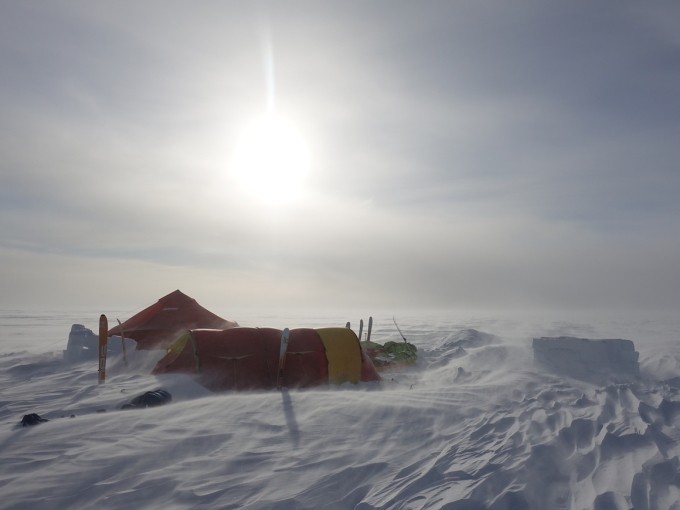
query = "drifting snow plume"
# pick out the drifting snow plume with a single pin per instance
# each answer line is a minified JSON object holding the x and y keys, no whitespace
{"x":467,"y":338}
{"x":454,"y":345}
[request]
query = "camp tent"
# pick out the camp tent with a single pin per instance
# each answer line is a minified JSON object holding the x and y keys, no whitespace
{"x":248,"y":358}
{"x":158,"y":325}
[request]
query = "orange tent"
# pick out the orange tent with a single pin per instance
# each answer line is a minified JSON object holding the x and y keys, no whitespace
{"x":158,"y":325}
{"x":248,"y":358}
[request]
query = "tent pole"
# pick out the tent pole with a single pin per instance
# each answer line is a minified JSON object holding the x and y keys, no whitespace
{"x":122,"y":341}
{"x":103,"y":338}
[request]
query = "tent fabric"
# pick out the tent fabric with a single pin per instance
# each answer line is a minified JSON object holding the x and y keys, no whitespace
{"x":344,"y":356}
{"x":159,"y":325}
{"x":247,"y":358}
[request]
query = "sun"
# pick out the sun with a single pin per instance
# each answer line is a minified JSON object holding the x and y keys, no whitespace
{"x":271,"y":160}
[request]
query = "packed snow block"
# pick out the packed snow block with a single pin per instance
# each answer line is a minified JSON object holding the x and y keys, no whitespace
{"x":589,"y":360}
{"x":83,"y":345}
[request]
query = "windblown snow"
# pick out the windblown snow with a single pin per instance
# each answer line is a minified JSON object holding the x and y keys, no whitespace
{"x":476,"y":424}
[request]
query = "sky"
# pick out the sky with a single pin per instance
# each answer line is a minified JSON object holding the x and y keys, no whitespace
{"x":459,"y":154}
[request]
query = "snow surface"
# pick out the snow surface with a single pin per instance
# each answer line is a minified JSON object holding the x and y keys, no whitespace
{"x":474,"y":425}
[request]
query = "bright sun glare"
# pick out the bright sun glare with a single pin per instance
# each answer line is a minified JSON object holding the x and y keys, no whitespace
{"x":271,"y":160}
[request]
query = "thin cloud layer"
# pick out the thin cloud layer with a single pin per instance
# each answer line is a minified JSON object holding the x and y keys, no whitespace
{"x":462,"y":154}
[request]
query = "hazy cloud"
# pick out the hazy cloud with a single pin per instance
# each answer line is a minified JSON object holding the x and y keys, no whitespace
{"x":464,"y":153}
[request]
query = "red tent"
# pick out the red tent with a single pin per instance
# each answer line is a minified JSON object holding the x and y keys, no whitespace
{"x":158,"y":325}
{"x":248,"y":358}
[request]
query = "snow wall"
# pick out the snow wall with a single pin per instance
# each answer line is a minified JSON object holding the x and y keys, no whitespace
{"x":588,"y":360}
